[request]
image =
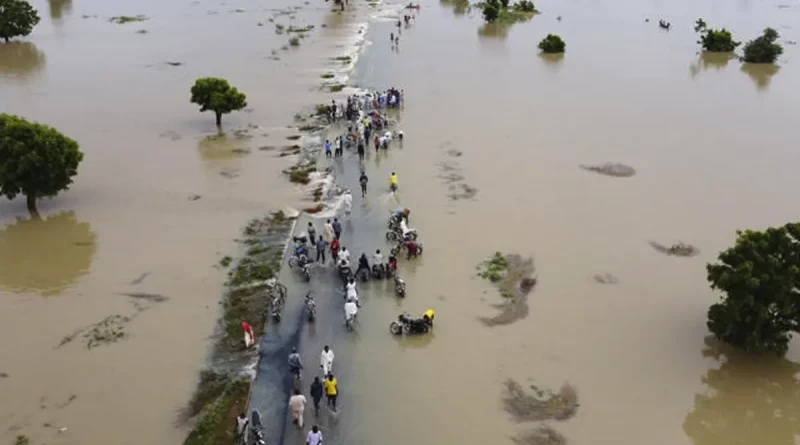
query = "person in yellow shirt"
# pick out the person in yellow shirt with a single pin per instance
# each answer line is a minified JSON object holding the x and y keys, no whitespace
{"x":331,"y":390}
{"x":393,"y":182}
{"x":428,"y":316}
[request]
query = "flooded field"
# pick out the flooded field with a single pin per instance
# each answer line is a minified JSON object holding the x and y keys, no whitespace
{"x":496,"y":137}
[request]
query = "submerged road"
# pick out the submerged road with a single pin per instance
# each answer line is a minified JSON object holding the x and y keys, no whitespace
{"x":364,"y":231}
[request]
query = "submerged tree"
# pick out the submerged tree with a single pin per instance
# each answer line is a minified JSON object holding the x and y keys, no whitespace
{"x":524,"y":6}
{"x":760,"y":280}
{"x":715,"y":40}
{"x":552,"y":44}
{"x":217,"y":95}
{"x":491,"y":10}
{"x":763,"y":49}
{"x":17,"y":18}
{"x":35,"y":160}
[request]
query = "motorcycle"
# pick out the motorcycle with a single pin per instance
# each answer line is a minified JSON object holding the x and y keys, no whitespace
{"x":396,"y":249}
{"x":311,"y":308}
{"x":396,"y":234}
{"x":276,"y":307}
{"x":399,"y":287}
{"x":405,"y":324}
{"x":378,"y":271}
{"x":345,"y":273}
{"x":257,"y":428}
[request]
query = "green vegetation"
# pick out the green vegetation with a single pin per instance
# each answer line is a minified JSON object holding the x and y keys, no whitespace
{"x":17,"y":19}
{"x":344,"y":59}
{"x":225,"y":261}
{"x":336,"y":87}
{"x":459,"y":6}
{"x":217,"y":95}
{"x":715,"y":40}
{"x":328,"y":76}
{"x":279,"y":29}
{"x":294,"y":41}
{"x":552,"y":44}
{"x":759,"y":277}
{"x":763,"y":49}
{"x":495,"y":268}
{"x":218,"y":424}
{"x":322,"y":110}
{"x":293,"y":137}
{"x":22,"y":440}
{"x":303,"y":29}
{"x":300,"y":174}
{"x":309,"y":127}
{"x":500,"y":11}
{"x":123,"y":19}
{"x":35,"y":160}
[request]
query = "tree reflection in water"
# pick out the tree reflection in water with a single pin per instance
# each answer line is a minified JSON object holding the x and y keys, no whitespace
{"x":19,"y":60}
{"x":59,"y":8}
{"x":750,"y":400}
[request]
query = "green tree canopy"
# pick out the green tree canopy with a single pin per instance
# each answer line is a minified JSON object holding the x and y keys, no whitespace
{"x":35,"y":160}
{"x":717,"y":40}
{"x":491,"y":10}
{"x":552,"y":44}
{"x":759,"y":278}
{"x":17,"y":18}
{"x":217,"y":95}
{"x":763,"y":49}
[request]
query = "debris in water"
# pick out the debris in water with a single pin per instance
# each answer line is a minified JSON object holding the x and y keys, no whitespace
{"x":171,"y":135}
{"x":454,"y":153}
{"x":141,"y":31}
{"x":677,"y":249}
{"x":605,"y":278}
{"x":240,"y":151}
{"x":514,"y":278}
{"x":293,"y":137}
{"x":194,"y":197}
{"x":540,"y":436}
{"x":3,"y":375}
{"x":105,"y":331}
{"x":544,"y":405}
{"x":174,"y":63}
{"x":140,"y":278}
{"x":229,"y":173}
{"x":611,"y":169}
{"x":156,"y":298}
{"x":122,"y":19}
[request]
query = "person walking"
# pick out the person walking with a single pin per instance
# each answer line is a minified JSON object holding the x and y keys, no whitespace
{"x":361,"y":150}
{"x":328,"y":149}
{"x":363,"y":180}
{"x":337,"y":228}
{"x":331,"y":391}
{"x":314,"y":436}
{"x":316,"y":394}
{"x":328,"y":232}
{"x":249,"y":337}
{"x":297,"y":403}
{"x":326,"y":360}
{"x":312,"y":233}
{"x":241,"y":427}
{"x":321,"y":245}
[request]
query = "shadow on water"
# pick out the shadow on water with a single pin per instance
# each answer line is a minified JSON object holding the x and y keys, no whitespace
{"x":460,"y":7}
{"x":761,"y":73}
{"x":59,"y":8}
{"x":708,"y":60}
{"x":753,"y":398}
{"x":20,"y":60}
{"x":553,"y":62}
{"x":48,"y":254}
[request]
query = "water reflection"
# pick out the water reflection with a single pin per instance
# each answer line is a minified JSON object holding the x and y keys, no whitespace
{"x":20,"y":60}
{"x":750,"y":399}
{"x":460,"y":7}
{"x":220,"y":147}
{"x":494,"y":30}
{"x":761,"y":73}
{"x":708,"y":60}
{"x":45,"y":255}
{"x":60,"y":8}
{"x":553,"y":61}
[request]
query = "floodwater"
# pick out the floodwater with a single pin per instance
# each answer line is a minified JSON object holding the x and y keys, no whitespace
{"x":710,"y":140}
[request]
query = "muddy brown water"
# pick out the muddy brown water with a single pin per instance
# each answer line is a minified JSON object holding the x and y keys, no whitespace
{"x":711,"y":142}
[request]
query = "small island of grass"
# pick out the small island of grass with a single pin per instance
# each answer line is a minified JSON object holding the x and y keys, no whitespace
{"x":501,"y":11}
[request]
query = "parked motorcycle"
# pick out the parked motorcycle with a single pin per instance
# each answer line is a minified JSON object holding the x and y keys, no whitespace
{"x":399,"y":287}
{"x":406,"y":324}
{"x":394,"y":235}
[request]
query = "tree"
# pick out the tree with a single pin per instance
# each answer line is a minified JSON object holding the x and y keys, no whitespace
{"x":504,"y":4}
{"x":216,"y":94}
{"x":763,"y":49}
{"x":17,"y":18}
{"x":760,"y":280}
{"x":552,"y":44}
{"x":35,"y":160}
{"x":524,"y":6}
{"x":715,"y":40}
{"x":491,"y":11}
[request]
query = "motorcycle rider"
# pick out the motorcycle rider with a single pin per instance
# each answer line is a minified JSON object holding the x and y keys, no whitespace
{"x":377,"y":260}
{"x":295,"y":365}
{"x":350,"y":311}
{"x":363,"y":264}
{"x":428,"y":316}
{"x":344,"y":255}
{"x":351,"y":292}
{"x":391,"y":265}
{"x":393,"y":182}
{"x":311,"y":305}
{"x":300,"y":247}
{"x":363,"y":179}
{"x":412,"y":248}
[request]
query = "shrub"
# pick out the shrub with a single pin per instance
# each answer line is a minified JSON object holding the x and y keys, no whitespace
{"x":490,"y":12}
{"x":763,"y":49}
{"x":524,"y":6}
{"x":552,"y":44}
{"x":718,"y":41}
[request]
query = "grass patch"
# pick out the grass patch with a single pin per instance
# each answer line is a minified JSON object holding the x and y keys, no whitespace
{"x":218,"y":424}
{"x":289,"y":150}
{"x":344,"y":59}
{"x":22,"y":440}
{"x":322,"y":110}
{"x":294,"y":41}
{"x":303,"y":29}
{"x":279,"y":29}
{"x":336,"y":88}
{"x":300,"y":174}
{"x":309,"y":128}
{"x":225,"y":261}
{"x":123,"y":19}
{"x":495,"y":268}
{"x":328,"y":76}
{"x":316,"y":209}
{"x":293,"y":137}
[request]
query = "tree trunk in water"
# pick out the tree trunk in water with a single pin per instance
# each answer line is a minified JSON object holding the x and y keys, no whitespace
{"x":219,"y":119}
{"x":32,"y":206}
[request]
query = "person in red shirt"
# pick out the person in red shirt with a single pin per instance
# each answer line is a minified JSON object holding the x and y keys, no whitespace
{"x":412,"y":248}
{"x":377,"y":142}
{"x":335,"y":245}
{"x":249,"y":337}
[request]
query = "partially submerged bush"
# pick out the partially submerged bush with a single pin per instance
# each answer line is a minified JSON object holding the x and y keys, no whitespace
{"x":715,"y":40}
{"x":524,"y":6}
{"x":552,"y":44}
{"x":294,"y":41}
{"x":495,"y":268}
{"x":491,"y":10}
{"x":763,"y":49}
